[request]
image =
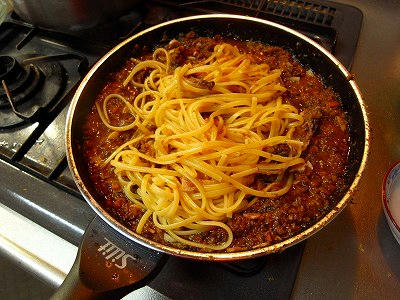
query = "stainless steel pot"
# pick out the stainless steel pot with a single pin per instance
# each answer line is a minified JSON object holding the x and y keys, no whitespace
{"x":70,"y":15}
{"x":112,"y":259}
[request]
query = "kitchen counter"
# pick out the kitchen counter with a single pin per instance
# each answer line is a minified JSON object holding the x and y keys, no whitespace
{"x":356,"y":255}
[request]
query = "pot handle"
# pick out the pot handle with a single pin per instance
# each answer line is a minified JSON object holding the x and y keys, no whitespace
{"x":108,"y":265}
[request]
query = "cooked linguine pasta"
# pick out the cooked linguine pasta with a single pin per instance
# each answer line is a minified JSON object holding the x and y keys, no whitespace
{"x":209,"y":128}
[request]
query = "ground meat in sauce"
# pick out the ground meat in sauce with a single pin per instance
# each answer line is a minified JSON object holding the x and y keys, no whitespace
{"x":267,"y":221}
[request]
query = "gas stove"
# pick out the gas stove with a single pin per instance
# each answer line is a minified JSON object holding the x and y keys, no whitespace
{"x":39,"y":72}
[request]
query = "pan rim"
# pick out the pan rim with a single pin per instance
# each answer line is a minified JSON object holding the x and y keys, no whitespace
{"x":228,"y":256}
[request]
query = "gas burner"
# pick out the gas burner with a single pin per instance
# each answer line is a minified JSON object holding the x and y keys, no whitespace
{"x":33,"y":84}
{"x":22,"y":82}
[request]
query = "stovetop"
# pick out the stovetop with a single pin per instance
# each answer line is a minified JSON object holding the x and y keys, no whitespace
{"x":32,"y":144}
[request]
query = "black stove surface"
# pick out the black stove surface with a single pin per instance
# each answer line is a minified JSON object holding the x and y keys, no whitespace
{"x":32,"y":150}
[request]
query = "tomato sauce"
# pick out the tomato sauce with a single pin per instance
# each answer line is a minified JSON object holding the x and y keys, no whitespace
{"x":315,"y":189}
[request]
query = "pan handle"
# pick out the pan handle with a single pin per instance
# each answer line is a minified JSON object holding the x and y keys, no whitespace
{"x":108,"y":265}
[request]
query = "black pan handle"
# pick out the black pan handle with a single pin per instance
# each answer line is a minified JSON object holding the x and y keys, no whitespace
{"x":108,"y":265}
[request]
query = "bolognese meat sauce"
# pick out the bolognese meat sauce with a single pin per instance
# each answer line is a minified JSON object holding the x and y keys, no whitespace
{"x":316,"y":185}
